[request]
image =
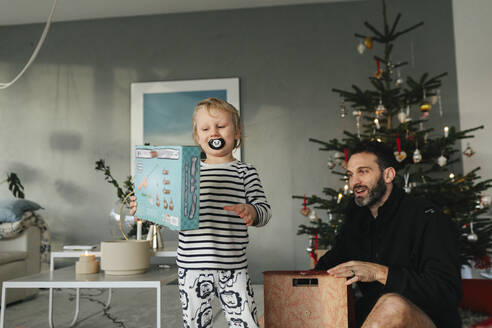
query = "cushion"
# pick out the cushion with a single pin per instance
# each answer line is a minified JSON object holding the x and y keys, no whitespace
{"x":7,"y":257}
{"x":11,"y":210}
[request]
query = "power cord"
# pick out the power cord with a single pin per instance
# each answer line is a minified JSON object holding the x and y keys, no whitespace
{"x":36,"y":50}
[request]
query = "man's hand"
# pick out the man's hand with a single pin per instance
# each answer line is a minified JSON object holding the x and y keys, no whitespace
{"x":133,"y":205}
{"x":246,"y":211}
{"x":360,"y":271}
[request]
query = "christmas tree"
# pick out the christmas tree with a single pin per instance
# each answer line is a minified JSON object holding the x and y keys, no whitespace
{"x":387,"y":113}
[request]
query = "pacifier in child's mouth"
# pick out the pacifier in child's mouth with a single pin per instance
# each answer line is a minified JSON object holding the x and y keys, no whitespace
{"x":216,"y":143}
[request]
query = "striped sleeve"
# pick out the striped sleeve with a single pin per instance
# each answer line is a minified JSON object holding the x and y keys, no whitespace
{"x":256,"y":196}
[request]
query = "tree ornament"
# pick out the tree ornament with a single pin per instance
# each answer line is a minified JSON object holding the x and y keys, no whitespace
{"x":442,"y":160}
{"x":425,"y":106}
{"x":399,"y":79}
{"x":380,"y":109}
{"x":434,"y":99}
{"x":305,"y":210}
{"x":343,"y":110}
{"x":339,"y":158}
{"x":439,"y":102}
{"x":402,"y":117}
{"x":446,"y":131}
{"x":379,"y":71}
{"x":469,"y":152}
{"x":472,"y":236}
{"x":407,"y":187}
{"x":313,"y":216}
{"x":357,"y":113}
{"x":417,"y":156}
{"x":331,"y":164}
{"x":400,"y":155}
{"x":483,"y":263}
{"x":344,"y":163}
{"x":330,"y":216}
{"x":368,"y":42}
{"x":485,"y":201}
{"x":361,"y":48}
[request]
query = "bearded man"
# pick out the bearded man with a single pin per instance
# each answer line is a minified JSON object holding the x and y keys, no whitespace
{"x":401,"y":250}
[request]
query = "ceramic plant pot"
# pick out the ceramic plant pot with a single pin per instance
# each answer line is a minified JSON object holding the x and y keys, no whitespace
{"x":125,"y":257}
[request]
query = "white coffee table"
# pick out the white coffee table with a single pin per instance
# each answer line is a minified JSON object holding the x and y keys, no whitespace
{"x":66,"y":278}
{"x":169,"y":250}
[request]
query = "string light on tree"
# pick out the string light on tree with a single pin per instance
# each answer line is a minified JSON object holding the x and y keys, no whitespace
{"x":343,"y":110}
{"x":339,"y":199}
{"x":402,"y":116}
{"x":376,"y":123}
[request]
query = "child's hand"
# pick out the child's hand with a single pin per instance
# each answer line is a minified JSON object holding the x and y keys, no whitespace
{"x":246,"y":211}
{"x":133,"y":205}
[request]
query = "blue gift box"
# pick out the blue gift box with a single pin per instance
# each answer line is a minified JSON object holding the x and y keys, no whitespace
{"x":167,"y":185}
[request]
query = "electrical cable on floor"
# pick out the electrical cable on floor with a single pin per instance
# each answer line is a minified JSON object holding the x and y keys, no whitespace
{"x":36,"y":50}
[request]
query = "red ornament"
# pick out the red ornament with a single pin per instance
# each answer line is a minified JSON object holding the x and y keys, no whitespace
{"x":483,"y":262}
{"x":313,"y":254}
{"x":305,"y":210}
{"x":379,"y":72}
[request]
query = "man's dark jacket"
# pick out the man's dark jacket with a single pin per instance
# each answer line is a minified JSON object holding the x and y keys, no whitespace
{"x":416,"y":242}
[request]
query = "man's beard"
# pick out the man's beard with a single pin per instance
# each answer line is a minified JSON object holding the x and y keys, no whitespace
{"x":374,"y":195}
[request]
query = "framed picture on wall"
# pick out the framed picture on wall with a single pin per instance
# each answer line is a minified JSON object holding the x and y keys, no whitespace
{"x":161,"y":111}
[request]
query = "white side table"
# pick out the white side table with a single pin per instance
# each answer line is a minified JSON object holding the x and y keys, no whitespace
{"x":169,"y":250}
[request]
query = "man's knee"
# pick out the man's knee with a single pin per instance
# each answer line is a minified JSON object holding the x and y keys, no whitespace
{"x":394,"y":310}
{"x":390,"y":308}
{"x":394,"y":303}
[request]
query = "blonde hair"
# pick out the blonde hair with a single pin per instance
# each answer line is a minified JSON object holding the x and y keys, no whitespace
{"x":218,"y":104}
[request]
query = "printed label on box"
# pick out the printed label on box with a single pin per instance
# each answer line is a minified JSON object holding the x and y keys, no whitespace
{"x":167,"y":185}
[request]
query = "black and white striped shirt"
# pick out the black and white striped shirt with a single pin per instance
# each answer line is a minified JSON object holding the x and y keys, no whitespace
{"x":222,"y":237}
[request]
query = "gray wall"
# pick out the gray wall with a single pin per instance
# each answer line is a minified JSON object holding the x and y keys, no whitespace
{"x":471,"y":26}
{"x":72,"y":106}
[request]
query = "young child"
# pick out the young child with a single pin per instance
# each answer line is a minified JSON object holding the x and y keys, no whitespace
{"x":212,"y":259}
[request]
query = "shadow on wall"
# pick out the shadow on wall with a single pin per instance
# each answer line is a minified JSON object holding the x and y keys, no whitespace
{"x":26,"y":173}
{"x":65,"y":141}
{"x":70,"y":192}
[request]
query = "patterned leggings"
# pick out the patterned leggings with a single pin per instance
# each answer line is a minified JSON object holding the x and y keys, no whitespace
{"x":231,"y":287}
